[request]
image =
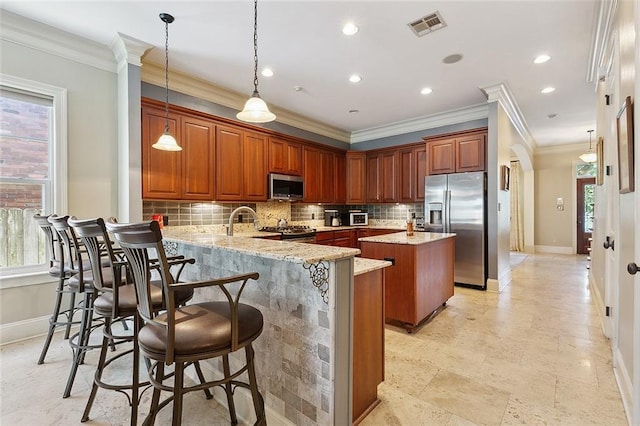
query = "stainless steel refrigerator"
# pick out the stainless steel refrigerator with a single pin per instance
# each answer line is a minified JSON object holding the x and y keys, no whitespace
{"x":457,"y":203}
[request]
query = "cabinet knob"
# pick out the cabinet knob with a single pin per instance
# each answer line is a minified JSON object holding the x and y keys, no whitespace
{"x":632,"y":268}
{"x":608,"y":243}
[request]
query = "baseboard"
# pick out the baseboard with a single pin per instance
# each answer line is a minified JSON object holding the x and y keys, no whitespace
{"x":624,"y":383}
{"x":554,"y":249}
{"x":497,"y":286}
{"x":243,"y":402}
{"x":23,"y":330}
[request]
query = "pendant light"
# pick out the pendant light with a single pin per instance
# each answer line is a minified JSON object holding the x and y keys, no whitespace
{"x":590,"y":156}
{"x":255,"y":110}
{"x":166,"y":142}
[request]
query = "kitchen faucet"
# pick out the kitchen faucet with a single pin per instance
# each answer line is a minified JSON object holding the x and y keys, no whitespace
{"x":235,"y":213}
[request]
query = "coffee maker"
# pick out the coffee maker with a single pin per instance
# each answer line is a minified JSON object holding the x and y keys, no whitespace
{"x":331,"y":218}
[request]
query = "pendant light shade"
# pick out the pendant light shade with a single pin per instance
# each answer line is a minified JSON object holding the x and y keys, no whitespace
{"x":590,"y":156}
{"x":166,"y":142}
{"x":255,"y":109}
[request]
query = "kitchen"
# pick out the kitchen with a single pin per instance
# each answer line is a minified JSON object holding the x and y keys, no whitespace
{"x":128,"y":199}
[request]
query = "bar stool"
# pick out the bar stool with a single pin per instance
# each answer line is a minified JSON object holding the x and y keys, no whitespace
{"x":62,"y":267}
{"x":117,"y":303}
{"x":191,"y":333}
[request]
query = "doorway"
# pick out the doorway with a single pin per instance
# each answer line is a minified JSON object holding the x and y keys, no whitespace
{"x":584,"y":212}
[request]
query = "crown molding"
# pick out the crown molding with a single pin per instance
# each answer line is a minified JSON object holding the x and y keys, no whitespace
{"x":578,"y":148}
{"x":128,"y":50}
{"x":184,"y":83}
{"x":602,"y":25}
{"x":500,"y":93}
{"x":446,"y":118}
{"x":36,"y":35}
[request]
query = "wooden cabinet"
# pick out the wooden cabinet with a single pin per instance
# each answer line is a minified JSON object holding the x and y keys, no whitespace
{"x":241,"y":168}
{"x":285,"y":157}
{"x":356,"y":177}
{"x":182,"y":175}
{"x":318,"y":175}
{"x":420,"y":281}
{"x":420,"y":171}
{"x":343,"y":238}
{"x":464,"y":153}
{"x":381,"y":177}
{"x":412,"y":163}
{"x":340,"y":179}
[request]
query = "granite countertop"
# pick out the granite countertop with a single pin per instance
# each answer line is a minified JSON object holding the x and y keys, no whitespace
{"x":363,"y":265}
{"x":273,"y":249}
{"x":401,"y":238}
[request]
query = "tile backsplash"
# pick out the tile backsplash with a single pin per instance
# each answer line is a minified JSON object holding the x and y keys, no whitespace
{"x":210,"y":213}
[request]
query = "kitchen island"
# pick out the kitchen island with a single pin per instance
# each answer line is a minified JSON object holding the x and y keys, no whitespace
{"x":305,"y":293}
{"x":421,"y":278}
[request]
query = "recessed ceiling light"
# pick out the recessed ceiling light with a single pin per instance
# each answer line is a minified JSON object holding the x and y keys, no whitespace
{"x":541,"y":59}
{"x":354,"y":111}
{"x":426,"y":91}
{"x":267,"y":72}
{"x":452,"y":59}
{"x":355,"y":78}
{"x":548,"y":90}
{"x":350,"y":29}
{"x":552,"y":115}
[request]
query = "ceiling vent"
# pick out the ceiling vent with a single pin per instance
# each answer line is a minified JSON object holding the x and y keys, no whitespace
{"x":427,"y":24}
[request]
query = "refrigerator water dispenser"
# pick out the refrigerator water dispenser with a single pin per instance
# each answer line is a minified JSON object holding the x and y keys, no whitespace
{"x":435,"y":214}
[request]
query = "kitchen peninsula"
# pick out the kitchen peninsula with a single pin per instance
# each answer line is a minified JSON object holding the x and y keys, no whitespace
{"x":305,"y":293}
{"x":421,"y":278}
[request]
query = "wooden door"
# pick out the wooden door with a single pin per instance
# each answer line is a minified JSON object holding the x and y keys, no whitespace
{"x":356,"y":177}
{"x":373,"y":178}
{"x":161,"y":170}
{"x":294,"y":159}
{"x":441,"y":157}
{"x":389,"y":171}
{"x":198,"y":144}
{"x":277,"y":155}
{"x":470,"y":153}
{"x":326,"y":181}
{"x":254,"y":167}
{"x":585,"y":188}
{"x":406,"y":175}
{"x":311,"y":175}
{"x":229,"y":171}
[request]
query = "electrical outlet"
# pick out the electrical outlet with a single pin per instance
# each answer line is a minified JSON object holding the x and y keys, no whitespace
{"x":239,"y":218}
{"x":165,"y":220}
{"x":313,"y":216}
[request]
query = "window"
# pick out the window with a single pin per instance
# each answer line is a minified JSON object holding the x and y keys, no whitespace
{"x":32,"y":169}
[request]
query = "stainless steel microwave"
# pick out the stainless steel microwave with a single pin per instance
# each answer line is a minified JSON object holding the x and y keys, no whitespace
{"x":285,"y":187}
{"x":358,"y":218}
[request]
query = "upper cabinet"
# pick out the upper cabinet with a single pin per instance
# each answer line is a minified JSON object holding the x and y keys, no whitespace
{"x":241,"y":165}
{"x":382,"y":169}
{"x":456,"y":154}
{"x":182,"y":175}
{"x":285,"y":157}
{"x":319,"y":175}
{"x":340,"y":181}
{"x":356,"y":177}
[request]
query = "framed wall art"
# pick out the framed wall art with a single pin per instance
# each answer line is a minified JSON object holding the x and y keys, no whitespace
{"x":625,"y":147}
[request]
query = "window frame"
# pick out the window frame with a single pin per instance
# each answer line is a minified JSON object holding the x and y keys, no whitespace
{"x":56,"y":197}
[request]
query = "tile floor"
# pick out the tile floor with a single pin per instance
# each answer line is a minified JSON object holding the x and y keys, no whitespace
{"x":532,"y":355}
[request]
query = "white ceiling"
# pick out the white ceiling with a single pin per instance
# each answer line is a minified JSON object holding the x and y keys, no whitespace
{"x":302,"y":42}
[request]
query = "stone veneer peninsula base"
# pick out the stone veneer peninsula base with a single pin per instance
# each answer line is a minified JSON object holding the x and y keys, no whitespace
{"x":421,"y":279}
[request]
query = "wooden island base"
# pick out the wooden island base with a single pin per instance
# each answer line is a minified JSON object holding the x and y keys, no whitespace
{"x":421,"y":278}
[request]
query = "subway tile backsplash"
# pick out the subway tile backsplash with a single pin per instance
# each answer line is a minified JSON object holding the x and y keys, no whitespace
{"x":209,"y":213}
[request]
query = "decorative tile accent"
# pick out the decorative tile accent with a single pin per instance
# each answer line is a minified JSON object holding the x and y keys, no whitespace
{"x":319,"y":273}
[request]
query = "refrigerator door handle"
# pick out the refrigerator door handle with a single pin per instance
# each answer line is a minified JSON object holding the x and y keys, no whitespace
{"x":447,"y":211}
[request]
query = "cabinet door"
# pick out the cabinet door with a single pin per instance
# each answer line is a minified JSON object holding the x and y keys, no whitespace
{"x":356,"y":177}
{"x":254,"y":167}
{"x":470,"y":153}
{"x":294,"y":159}
{"x":406,"y":175}
{"x":441,"y":156}
{"x":277,"y":155}
{"x":327,"y":177}
{"x":373,"y":178}
{"x":420,"y":171}
{"x":311,"y":175}
{"x":340,"y":181}
{"x":229,"y":170}
{"x":161,"y":170}
{"x":198,"y":137}
{"x":388,"y":177}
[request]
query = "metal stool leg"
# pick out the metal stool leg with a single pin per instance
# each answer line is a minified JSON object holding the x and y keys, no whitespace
{"x":258,"y":401}
{"x":53,"y":320}
{"x":228,"y":390}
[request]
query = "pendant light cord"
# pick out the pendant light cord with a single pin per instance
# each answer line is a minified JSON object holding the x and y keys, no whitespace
{"x":255,"y":48}
{"x":166,"y":76}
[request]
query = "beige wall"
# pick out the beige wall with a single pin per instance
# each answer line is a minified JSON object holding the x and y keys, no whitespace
{"x":92,"y":160}
{"x":554,"y":178}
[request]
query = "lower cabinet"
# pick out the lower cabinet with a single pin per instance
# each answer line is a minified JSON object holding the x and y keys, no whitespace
{"x":368,"y":341}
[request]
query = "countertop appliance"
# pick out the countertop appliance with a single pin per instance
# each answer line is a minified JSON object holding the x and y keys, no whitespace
{"x":355,"y":218}
{"x":332,"y":218}
{"x":293,"y":233}
{"x":457,"y":203}
{"x":285,"y":187}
